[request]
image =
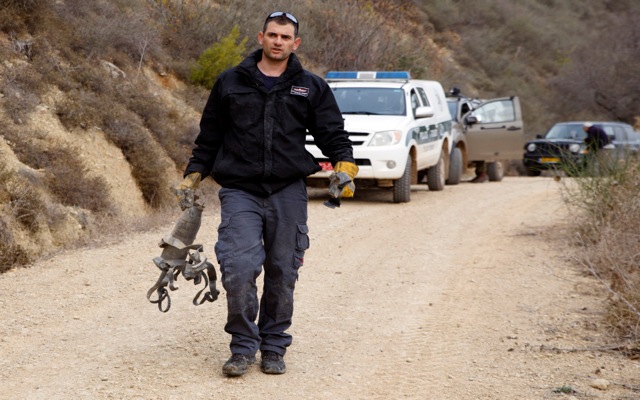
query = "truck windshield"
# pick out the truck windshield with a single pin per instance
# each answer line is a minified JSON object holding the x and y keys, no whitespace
{"x":371,"y":101}
{"x":566,"y":131}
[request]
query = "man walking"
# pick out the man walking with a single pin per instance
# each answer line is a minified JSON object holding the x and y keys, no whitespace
{"x":251,"y":141}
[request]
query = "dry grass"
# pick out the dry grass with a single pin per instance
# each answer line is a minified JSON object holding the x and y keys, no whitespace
{"x":11,"y":254}
{"x":21,"y":207}
{"x":22,"y":88}
{"x":173,"y":131}
{"x":608,"y":208}
{"x":148,"y":160}
{"x":65,"y":175}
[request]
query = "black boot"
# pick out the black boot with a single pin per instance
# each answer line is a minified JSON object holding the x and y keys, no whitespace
{"x":272,"y":363}
{"x":237,"y":365}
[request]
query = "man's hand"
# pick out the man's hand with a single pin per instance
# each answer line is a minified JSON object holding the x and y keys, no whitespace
{"x":185,"y":191}
{"x":341,"y":180}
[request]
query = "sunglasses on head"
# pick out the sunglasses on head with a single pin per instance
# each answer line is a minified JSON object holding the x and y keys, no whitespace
{"x":276,"y":14}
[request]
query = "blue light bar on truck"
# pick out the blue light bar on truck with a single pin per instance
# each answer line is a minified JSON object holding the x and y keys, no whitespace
{"x":368,"y":75}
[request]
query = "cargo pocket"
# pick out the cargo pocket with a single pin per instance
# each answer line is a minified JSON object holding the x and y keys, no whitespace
{"x":221,"y":247}
{"x":302,"y":244}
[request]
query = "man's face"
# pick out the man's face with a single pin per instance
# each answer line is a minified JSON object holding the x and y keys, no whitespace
{"x":278,"y":41}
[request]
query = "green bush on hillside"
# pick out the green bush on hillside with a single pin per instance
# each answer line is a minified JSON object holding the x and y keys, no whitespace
{"x":220,"y":56}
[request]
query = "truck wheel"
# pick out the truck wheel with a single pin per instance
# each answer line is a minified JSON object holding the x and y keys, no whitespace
{"x":455,"y":167}
{"x":495,"y":170}
{"x":436,"y":175}
{"x":402,"y":186}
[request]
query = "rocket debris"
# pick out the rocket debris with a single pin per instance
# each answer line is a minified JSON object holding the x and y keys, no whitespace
{"x":337,"y":182}
{"x":181,"y":256}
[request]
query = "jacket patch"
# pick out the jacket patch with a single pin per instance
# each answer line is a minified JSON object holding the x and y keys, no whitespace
{"x":299,"y":91}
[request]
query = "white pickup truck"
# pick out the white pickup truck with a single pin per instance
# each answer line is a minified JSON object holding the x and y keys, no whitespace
{"x":400,"y":129}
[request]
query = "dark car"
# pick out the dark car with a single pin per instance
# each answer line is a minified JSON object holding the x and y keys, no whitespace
{"x":563,"y":146}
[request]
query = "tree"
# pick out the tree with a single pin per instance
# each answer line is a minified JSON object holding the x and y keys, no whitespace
{"x":217,"y":58}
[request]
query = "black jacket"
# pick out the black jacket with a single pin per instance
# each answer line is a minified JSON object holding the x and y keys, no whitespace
{"x":596,"y":138}
{"x":253,"y":139}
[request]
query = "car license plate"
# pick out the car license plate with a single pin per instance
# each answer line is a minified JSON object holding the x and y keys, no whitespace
{"x":549,"y":160}
{"x":326,"y":165}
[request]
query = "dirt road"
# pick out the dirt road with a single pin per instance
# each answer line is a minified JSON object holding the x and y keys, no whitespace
{"x":467,"y":293}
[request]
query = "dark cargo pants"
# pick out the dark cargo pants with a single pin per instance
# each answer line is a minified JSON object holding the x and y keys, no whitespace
{"x":256,"y":232}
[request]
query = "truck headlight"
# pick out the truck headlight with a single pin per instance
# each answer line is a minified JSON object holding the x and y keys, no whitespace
{"x":531,"y":147}
{"x":386,"y":138}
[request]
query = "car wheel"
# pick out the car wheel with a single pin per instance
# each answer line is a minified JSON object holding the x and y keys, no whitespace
{"x":455,"y":167}
{"x":495,"y":170}
{"x":436,"y":175}
{"x":402,"y":186}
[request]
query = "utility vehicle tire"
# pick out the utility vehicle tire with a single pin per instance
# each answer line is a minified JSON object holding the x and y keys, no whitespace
{"x":436,"y":175}
{"x":495,"y":170}
{"x":455,"y":167}
{"x":402,"y":186}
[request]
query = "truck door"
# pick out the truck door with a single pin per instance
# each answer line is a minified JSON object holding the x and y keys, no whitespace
{"x":498,"y":133}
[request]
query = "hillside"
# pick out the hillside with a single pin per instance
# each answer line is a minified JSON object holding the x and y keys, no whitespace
{"x":89,"y":88}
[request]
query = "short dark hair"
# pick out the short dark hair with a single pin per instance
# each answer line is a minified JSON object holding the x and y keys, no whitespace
{"x":282,"y":18}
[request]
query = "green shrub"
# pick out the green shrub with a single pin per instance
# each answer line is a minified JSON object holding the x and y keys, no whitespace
{"x":220,"y":56}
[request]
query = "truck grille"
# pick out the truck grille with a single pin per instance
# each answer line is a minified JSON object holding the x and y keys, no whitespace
{"x":552,"y":148}
{"x":357,"y":138}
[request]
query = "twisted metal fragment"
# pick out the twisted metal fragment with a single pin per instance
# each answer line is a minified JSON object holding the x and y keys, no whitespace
{"x":181,"y":256}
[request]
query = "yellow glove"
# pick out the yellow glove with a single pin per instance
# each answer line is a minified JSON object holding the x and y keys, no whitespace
{"x":351,"y":170}
{"x":185,"y":191}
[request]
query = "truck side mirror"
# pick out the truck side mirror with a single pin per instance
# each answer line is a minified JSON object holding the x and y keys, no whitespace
{"x":424,"y":112}
{"x":473,"y":119}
